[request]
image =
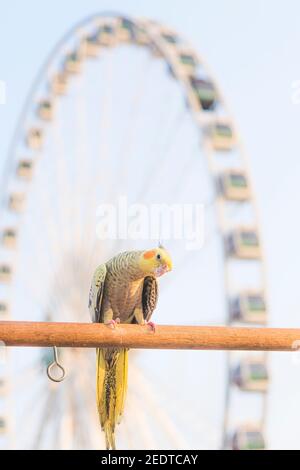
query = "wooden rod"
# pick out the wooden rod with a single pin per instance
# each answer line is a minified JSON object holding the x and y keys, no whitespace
{"x":90,"y":335}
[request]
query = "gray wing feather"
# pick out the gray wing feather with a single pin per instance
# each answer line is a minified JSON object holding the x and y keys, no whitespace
{"x":96,"y":292}
{"x":149,"y":296}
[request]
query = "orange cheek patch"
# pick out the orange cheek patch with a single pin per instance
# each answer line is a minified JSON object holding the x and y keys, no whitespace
{"x":149,"y":254}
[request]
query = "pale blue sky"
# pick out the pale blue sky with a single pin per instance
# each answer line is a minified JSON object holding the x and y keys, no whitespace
{"x":253,"y":50}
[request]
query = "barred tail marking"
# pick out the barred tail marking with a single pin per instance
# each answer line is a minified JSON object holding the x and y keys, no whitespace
{"x":111,"y":387}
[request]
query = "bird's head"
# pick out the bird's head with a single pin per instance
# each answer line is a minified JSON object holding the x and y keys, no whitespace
{"x":155,"y":262}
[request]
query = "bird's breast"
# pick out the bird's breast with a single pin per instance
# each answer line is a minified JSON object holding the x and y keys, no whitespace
{"x":124,"y":296}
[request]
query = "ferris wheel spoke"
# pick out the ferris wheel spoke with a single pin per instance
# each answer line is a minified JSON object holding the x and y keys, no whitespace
{"x":186,"y":171}
{"x":50,"y":263}
{"x":62,"y":183}
{"x":53,"y":198}
{"x":83,"y":418}
{"x":46,"y":241}
{"x":165,"y":422}
{"x":81,"y":181}
{"x":46,"y":261}
{"x":152,"y":177}
{"x":78,"y":416}
{"x":193,"y":256}
{"x":88,"y":409}
{"x":127,"y":144}
{"x":46,"y":417}
{"x":44,"y":236}
{"x":35,"y":404}
{"x":28,"y":374}
{"x":56,"y":438}
{"x":86,"y":223}
{"x":128,"y":431}
{"x":145,"y":435}
{"x":103,"y":155}
{"x":65,"y":187}
{"x":162,"y":163}
{"x":51,"y":306}
{"x":103,"y":151}
{"x":38,"y":390}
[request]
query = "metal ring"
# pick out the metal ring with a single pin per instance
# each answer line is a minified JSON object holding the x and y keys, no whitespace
{"x":57,"y":364}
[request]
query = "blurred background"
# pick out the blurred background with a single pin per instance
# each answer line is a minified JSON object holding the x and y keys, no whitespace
{"x":194,"y":102}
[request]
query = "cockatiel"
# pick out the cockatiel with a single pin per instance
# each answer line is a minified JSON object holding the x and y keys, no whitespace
{"x":123,"y":290}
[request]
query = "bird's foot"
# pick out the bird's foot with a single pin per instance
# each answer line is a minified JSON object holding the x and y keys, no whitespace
{"x":113,"y":323}
{"x":152,"y":325}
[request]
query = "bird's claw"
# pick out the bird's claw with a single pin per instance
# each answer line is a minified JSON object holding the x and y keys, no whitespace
{"x":113,"y":323}
{"x":152,"y":325}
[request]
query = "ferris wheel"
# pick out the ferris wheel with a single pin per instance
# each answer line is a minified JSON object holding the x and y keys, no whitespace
{"x":125,"y":107}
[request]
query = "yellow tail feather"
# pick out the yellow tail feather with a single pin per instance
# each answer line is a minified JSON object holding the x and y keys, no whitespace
{"x":111,"y":387}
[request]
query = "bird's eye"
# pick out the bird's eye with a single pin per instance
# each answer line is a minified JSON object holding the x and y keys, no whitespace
{"x":158,"y":256}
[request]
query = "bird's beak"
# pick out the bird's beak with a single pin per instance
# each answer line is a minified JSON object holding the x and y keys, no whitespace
{"x":169,"y":264}
{"x":163,"y":268}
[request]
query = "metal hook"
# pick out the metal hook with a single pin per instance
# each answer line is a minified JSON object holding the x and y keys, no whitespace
{"x":55,"y":363}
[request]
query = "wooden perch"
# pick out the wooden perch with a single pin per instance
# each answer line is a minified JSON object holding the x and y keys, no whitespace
{"x":89,"y":335}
